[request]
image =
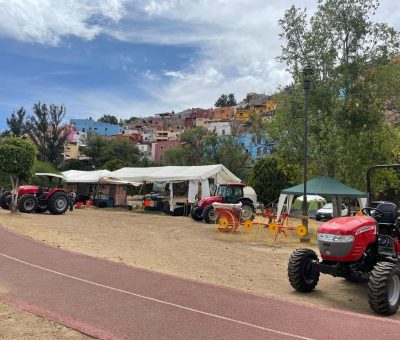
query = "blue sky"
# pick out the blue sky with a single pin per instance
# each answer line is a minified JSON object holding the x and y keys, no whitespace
{"x":141,"y":57}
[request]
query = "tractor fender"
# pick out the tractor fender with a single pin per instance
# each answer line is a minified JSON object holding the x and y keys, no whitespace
{"x":245,"y":200}
{"x":54,"y":190}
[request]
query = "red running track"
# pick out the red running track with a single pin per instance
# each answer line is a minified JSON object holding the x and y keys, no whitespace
{"x":114,"y":301}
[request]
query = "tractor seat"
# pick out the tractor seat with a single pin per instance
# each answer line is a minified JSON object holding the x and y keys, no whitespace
{"x":40,"y":191}
{"x":390,"y":213}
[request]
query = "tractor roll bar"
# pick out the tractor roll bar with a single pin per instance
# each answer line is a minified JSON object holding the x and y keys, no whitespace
{"x":369,"y":173}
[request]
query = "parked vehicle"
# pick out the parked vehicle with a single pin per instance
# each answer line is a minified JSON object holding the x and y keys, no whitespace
{"x":34,"y":198}
{"x":226,"y":193}
{"x":326,"y":212}
{"x":357,"y":248}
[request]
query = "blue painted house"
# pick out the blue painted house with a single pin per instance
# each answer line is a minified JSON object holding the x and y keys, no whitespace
{"x":255,"y":148}
{"x":89,"y":125}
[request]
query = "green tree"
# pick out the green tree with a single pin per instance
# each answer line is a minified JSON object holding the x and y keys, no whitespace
{"x":108,"y":119}
{"x":115,"y":164}
{"x":231,"y":100}
{"x":346,"y":116}
{"x":17,"y":159}
{"x":17,"y":123}
{"x":102,"y":150}
{"x":222,"y":101}
{"x":268,"y":178}
{"x":94,"y":147}
{"x":201,"y":147}
{"x":47,"y":131}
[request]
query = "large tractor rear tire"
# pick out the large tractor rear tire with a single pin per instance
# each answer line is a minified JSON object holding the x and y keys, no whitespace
{"x":5,"y":200}
{"x":384,"y":288}
{"x":210,"y":214}
{"x":301,"y":276}
{"x":197,"y":214}
{"x":58,"y":203}
{"x":27,"y":204}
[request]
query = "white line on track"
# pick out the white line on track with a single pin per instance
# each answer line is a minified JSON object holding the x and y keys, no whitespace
{"x":159,"y":301}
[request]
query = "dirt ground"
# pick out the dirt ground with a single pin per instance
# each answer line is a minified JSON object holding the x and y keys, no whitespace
{"x":252,"y":261}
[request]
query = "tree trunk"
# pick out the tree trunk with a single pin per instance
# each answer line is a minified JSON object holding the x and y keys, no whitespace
{"x":14,"y":194}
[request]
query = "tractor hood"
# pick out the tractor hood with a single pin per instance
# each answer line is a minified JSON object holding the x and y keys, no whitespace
{"x":28,"y":188}
{"x":346,"y":225}
{"x":209,"y":200}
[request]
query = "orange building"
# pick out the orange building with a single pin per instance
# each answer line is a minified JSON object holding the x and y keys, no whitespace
{"x":223,"y":113}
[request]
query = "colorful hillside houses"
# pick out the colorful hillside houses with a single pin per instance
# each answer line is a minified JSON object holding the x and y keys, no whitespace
{"x":155,"y":134}
{"x":88,"y":125}
{"x":255,"y":148}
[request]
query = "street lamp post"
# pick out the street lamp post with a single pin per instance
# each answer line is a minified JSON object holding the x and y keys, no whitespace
{"x":307,"y":72}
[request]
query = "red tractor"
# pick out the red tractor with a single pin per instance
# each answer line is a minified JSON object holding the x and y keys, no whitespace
{"x":34,"y":198}
{"x":226,"y":193}
{"x":360,"y":249}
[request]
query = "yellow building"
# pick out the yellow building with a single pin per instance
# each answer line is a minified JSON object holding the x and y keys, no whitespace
{"x":71,"y":150}
{"x":243,"y":114}
{"x":270,"y":105}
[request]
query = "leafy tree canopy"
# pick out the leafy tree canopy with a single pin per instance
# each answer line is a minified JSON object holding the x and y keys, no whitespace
{"x":351,"y":56}
{"x":17,"y":123}
{"x":108,"y":119}
{"x":17,"y":159}
{"x":200,"y":147}
{"x":102,"y":150}
{"x":226,"y":100}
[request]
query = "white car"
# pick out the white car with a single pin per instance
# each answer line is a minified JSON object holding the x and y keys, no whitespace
{"x":326,"y":212}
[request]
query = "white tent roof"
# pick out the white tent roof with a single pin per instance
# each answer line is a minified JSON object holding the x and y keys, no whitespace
{"x":176,"y":174}
{"x":80,"y":176}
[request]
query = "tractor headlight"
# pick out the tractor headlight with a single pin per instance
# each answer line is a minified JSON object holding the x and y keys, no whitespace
{"x":335,"y":238}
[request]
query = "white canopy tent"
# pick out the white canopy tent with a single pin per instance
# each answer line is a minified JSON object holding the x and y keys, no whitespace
{"x":80,"y":176}
{"x":173,"y":174}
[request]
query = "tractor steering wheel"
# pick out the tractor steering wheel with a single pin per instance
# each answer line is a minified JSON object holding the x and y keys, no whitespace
{"x":373,"y":212}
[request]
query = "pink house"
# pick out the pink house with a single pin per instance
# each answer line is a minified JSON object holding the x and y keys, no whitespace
{"x":158,"y":149}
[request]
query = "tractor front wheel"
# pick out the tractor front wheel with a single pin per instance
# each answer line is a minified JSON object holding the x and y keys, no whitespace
{"x":384,"y":288}
{"x":27,"y":204}
{"x":58,"y":203}
{"x":210,"y":214}
{"x":301,"y":276}
{"x":5,"y":200}
{"x":197,"y":214}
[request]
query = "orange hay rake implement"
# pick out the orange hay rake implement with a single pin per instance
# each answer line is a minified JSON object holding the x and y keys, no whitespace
{"x":230,"y":221}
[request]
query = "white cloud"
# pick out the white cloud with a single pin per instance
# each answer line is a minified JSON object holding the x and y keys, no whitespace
{"x":236,"y":42}
{"x":48,"y":21}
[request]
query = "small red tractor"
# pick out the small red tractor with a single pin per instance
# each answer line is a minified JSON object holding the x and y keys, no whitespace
{"x":358,"y":248}
{"x":227,"y":193}
{"x":34,"y":198}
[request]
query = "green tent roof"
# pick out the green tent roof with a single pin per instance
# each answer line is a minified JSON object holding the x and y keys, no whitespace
{"x":324,"y":186}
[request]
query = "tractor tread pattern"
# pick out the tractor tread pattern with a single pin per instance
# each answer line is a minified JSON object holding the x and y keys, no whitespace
{"x":52,"y":204}
{"x":296,"y":272}
{"x":206,"y":211}
{"x":3,"y":202}
{"x":378,"y":288}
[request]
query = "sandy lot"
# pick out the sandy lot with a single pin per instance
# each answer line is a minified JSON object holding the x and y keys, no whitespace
{"x":179,"y":246}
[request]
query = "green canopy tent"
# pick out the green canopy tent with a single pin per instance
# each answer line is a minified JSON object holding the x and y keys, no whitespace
{"x":322,"y":186}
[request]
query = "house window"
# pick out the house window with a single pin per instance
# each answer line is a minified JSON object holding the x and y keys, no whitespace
{"x":161,"y":147}
{"x":223,"y":132}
